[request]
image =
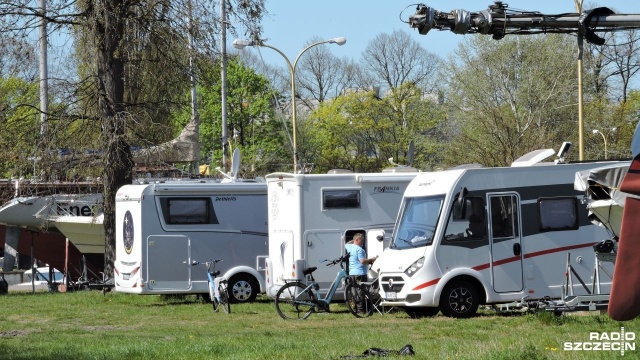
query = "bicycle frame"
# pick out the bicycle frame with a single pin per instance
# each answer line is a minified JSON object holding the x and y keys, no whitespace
{"x":295,"y":300}
{"x":342,"y":274}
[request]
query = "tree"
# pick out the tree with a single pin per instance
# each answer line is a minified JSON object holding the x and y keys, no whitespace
{"x":19,"y":124}
{"x":395,"y":59}
{"x":250,"y":117}
{"x":509,"y":97}
{"x":320,"y":75}
{"x":360,"y":132}
{"x":118,"y":35}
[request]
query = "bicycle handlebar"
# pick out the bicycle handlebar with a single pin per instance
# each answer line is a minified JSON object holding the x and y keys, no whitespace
{"x":341,"y":259}
{"x":212,"y":262}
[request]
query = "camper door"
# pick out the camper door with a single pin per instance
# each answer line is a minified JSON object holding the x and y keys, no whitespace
{"x":168,"y":261}
{"x":506,"y":245}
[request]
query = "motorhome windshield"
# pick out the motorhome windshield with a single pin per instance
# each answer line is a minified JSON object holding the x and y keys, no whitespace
{"x":417,"y":223}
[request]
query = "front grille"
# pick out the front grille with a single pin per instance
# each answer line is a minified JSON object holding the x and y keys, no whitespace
{"x":392,"y":283}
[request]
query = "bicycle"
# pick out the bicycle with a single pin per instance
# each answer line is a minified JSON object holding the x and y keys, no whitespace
{"x":296,"y":300}
{"x":218,"y":286}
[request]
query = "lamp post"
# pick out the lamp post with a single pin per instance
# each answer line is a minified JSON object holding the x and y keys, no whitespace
{"x":604,"y":138}
{"x":241,"y":44}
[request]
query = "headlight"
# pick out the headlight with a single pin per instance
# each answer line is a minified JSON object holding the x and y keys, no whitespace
{"x":413,"y":268}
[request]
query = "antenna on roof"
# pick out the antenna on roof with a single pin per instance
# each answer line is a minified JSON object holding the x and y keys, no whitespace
{"x":564,"y":149}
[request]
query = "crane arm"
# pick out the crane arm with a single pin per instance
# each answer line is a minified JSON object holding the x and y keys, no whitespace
{"x":498,"y":20}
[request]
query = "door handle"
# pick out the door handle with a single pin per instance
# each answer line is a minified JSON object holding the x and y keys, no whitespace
{"x":516,"y":249}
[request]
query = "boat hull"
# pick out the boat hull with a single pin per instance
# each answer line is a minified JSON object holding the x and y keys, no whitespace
{"x":85,"y":232}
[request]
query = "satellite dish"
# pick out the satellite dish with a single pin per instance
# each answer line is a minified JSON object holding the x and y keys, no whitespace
{"x":235,"y":163}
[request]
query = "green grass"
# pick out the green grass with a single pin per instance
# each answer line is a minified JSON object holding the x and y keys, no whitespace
{"x":90,"y":325}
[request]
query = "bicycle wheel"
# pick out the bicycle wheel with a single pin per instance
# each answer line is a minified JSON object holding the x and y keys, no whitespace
{"x":293,"y":303}
{"x":212,"y":296}
{"x":358,"y":300}
{"x":223,"y":290}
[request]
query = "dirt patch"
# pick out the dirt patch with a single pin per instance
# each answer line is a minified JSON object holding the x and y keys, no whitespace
{"x":106,"y":328}
{"x":14,"y":333}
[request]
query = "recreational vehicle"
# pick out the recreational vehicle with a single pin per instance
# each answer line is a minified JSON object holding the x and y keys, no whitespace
{"x":162,"y":228}
{"x":474,"y":236}
{"x":312,"y":216}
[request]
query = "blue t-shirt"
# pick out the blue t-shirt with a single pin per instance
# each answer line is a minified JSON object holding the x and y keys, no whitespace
{"x":356,"y":253}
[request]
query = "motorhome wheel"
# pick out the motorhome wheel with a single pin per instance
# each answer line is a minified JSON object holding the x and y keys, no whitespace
{"x":243,"y":288}
{"x":459,"y":299}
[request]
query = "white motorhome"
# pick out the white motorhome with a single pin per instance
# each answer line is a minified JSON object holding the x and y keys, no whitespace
{"x":162,"y":228}
{"x":474,"y":236}
{"x":312,"y":216}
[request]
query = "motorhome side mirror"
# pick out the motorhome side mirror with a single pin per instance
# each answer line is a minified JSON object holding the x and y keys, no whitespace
{"x":460,"y":207}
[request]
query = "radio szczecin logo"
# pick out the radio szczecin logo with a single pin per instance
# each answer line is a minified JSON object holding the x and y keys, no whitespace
{"x":605,"y":341}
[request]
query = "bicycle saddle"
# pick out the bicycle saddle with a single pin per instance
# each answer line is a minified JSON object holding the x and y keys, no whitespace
{"x":308,"y":271}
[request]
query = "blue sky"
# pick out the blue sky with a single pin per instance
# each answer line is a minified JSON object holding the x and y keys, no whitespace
{"x":292,"y":23}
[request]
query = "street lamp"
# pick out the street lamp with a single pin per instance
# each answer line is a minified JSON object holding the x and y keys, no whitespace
{"x":241,"y":44}
{"x":604,"y":138}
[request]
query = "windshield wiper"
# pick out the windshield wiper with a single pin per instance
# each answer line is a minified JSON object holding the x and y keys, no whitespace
{"x":407,"y":242}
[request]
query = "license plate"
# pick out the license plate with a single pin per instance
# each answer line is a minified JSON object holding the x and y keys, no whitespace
{"x":125,"y":276}
{"x":391,"y":295}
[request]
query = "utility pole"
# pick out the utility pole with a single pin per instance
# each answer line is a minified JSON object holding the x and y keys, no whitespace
{"x":223,"y":83}
{"x":44,"y":75}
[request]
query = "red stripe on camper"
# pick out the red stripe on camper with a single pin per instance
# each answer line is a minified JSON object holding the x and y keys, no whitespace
{"x":551,"y":251}
{"x":427,"y":284}
{"x":511,"y":259}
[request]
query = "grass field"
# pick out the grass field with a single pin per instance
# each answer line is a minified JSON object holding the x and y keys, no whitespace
{"x":90,"y":325}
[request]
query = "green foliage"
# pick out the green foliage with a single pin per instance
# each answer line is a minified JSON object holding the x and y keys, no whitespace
{"x":259,"y":135}
{"x":19,"y":124}
{"x":360,"y":132}
{"x":510,"y":97}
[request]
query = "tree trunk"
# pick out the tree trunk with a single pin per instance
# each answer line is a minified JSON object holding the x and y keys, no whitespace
{"x":108,"y":22}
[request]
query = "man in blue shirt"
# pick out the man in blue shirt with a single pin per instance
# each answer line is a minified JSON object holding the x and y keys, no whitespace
{"x":358,"y":257}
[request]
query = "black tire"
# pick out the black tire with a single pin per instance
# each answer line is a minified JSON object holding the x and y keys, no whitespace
{"x":292,"y":303}
{"x":420,"y":312}
{"x":358,"y":300}
{"x":223,"y":290}
{"x":243,"y":288}
{"x":459,"y":299}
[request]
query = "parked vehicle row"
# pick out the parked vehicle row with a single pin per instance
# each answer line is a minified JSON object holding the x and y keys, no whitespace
{"x":447,"y":241}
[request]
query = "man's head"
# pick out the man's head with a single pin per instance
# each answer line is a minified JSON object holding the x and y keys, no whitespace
{"x":358,"y":239}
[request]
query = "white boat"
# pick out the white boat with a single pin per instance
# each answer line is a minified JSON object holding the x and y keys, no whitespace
{"x":604,"y":200}
{"x":36,"y":212}
{"x":85,"y":232}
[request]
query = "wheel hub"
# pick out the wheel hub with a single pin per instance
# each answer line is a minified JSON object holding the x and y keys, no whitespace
{"x":241,"y":290}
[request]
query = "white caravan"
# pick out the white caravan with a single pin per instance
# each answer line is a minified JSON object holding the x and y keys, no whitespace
{"x":162,"y":228}
{"x":474,"y":236}
{"x":312,"y":216}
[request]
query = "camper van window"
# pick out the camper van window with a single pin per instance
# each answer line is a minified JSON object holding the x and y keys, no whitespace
{"x":340,"y":199}
{"x":417,"y":224}
{"x":470,"y":227}
{"x":559,"y":213}
{"x":505,"y":222}
{"x":188,"y":210}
